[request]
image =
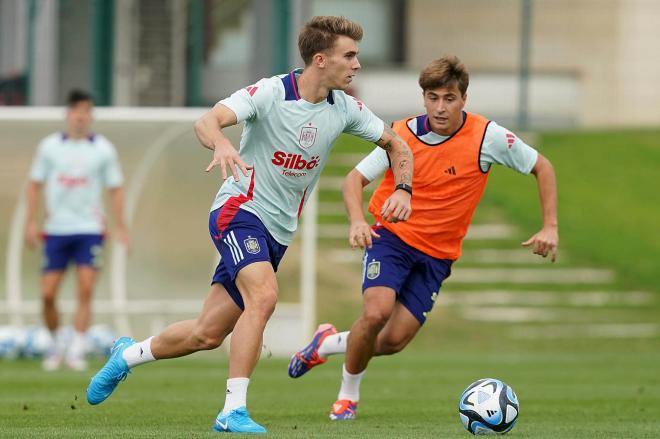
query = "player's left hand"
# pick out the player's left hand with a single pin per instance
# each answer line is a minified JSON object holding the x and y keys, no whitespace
{"x":544,"y":243}
{"x":225,"y":156}
{"x":32,"y":234}
{"x":124,"y":237}
{"x":397,"y":207}
{"x":361,"y":235}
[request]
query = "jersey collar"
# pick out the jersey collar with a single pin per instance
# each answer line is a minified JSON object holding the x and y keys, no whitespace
{"x":423,"y":127}
{"x":291,"y":92}
{"x":420,"y":127}
{"x":90,"y":137}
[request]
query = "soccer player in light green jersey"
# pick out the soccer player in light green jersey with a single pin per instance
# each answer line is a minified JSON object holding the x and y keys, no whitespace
{"x":291,"y":124}
{"x":74,"y":167}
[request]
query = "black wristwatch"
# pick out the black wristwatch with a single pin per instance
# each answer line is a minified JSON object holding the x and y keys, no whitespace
{"x":404,"y":187}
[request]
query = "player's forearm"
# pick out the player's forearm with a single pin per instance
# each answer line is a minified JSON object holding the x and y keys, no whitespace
{"x":32,"y":200}
{"x":547,"y":187}
{"x":400,"y":156}
{"x":208,"y":132}
{"x":117,"y":203}
{"x":208,"y":128}
{"x":402,"y":163}
{"x":352,"y":189}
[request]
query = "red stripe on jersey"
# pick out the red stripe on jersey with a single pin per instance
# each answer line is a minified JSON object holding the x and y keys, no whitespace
{"x":359,"y":102}
{"x":510,"y":138}
{"x":231,"y":206}
{"x":252,"y":90}
{"x":294,"y":85}
{"x":302,"y":201}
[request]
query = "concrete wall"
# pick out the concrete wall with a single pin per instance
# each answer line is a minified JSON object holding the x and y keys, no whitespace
{"x":638,"y":67}
{"x":74,"y":48}
{"x":13,"y":37}
{"x":607,"y":45}
{"x":45,"y":62}
{"x":393,"y":95}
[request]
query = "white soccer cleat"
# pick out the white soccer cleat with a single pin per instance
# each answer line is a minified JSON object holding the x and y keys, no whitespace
{"x":51,"y":362}
{"x":77,"y":364}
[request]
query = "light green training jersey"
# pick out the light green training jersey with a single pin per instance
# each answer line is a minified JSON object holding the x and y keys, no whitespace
{"x":287,"y":140}
{"x":74,"y":172}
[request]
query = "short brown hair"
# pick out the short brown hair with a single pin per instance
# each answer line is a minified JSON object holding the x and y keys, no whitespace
{"x":77,"y":95}
{"x":320,"y":33}
{"x":444,"y":72}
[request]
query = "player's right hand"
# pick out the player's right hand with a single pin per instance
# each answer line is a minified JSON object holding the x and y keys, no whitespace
{"x":31,"y":234}
{"x":123,"y":237}
{"x":544,"y":242}
{"x":397,"y":207}
{"x":225,"y":155}
{"x":361,"y":235}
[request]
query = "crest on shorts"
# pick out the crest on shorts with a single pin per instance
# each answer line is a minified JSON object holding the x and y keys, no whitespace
{"x":307,"y":136}
{"x":373,"y":270}
{"x":97,"y":256}
{"x":252,"y":245}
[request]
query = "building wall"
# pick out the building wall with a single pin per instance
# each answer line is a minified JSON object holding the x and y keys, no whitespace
{"x":74,"y":48}
{"x":13,"y":37}
{"x":638,"y":66}
{"x":584,"y":41}
{"x":594,"y":62}
{"x":604,"y":44}
{"x":483,"y":33}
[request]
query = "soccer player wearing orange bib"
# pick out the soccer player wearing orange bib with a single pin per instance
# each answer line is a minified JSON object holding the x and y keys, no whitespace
{"x":405,"y":263}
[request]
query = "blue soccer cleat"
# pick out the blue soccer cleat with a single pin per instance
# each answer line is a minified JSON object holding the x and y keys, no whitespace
{"x":112,"y":373}
{"x":308,"y":357}
{"x":237,"y":421}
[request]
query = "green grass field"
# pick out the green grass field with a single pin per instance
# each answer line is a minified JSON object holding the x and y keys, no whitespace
{"x":411,"y":395}
{"x":576,"y":371}
{"x":608,"y":207}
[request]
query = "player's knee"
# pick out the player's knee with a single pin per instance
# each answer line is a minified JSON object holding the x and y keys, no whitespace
{"x":375,"y":318}
{"x":48,"y":298}
{"x":85,"y":298}
{"x":392,"y":344}
{"x":262,"y":303}
{"x":206,"y":341}
{"x":85,"y":290}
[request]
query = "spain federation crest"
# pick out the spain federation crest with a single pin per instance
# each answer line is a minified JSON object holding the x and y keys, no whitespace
{"x":307,"y":137}
{"x":373,"y":270}
{"x":252,"y":245}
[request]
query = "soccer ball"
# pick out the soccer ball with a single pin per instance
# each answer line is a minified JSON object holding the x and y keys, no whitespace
{"x":100,"y":339}
{"x":488,"y":406}
{"x":37,"y":341}
{"x":11,"y":339}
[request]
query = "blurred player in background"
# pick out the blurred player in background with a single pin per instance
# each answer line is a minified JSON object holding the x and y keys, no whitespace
{"x":291,"y":123}
{"x":75,"y":166}
{"x":405,"y":263}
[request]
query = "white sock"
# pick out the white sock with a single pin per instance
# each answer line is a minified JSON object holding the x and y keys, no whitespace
{"x":236,"y":394}
{"x":138,"y":353}
{"x":334,"y":344}
{"x":350,"y":385}
{"x":77,"y":347}
{"x":55,"y":347}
